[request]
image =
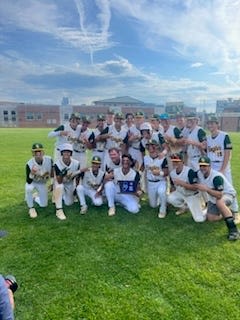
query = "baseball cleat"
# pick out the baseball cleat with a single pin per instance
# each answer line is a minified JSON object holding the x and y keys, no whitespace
{"x":236,"y":218}
{"x":32,"y":213}
{"x":181,"y":211}
{"x":60,"y":214}
{"x":111,"y":211}
{"x":84,"y":209}
{"x":233,"y":235}
{"x":162,"y":215}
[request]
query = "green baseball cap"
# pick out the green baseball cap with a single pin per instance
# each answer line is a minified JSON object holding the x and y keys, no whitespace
{"x":37,"y":147}
{"x":204,"y":161}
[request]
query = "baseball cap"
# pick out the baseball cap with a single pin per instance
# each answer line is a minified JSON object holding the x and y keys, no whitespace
{"x":139,"y":114}
{"x":164,"y":116}
{"x":152,"y":142}
{"x":212,"y":118}
{"x":110,"y":111}
{"x":191,"y":116}
{"x":75,"y":115}
{"x":66,"y":147}
{"x":96,"y":159}
{"x":177,"y":157}
{"x":119,"y":115}
{"x":37,"y":147}
{"x":101,"y":117}
{"x":204,"y":161}
{"x":155,"y":116}
{"x":86,"y":119}
{"x":145,"y":126}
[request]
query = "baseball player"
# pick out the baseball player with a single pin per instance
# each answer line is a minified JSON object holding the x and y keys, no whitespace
{"x":114,"y":135}
{"x":98,"y":145}
{"x":67,"y":171}
{"x":184,"y":181}
{"x":39,"y":169}
{"x":155,"y":123}
{"x":83,"y":142}
{"x":220,"y":196}
{"x":91,"y":185}
{"x":66,"y":133}
{"x":195,"y":141}
{"x":123,"y":188}
{"x":156,"y":171}
{"x":134,"y":138}
{"x":219,"y":148}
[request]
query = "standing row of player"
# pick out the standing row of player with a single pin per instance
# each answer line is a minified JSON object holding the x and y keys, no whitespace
{"x":138,"y":155}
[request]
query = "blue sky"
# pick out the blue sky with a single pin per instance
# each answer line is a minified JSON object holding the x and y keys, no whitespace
{"x":155,"y":51}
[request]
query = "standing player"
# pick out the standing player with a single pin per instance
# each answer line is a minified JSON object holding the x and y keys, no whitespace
{"x":67,"y":171}
{"x":184,"y":181}
{"x":98,"y":145}
{"x":219,"y":148}
{"x":66,"y":133}
{"x":195,"y":141}
{"x":220,"y":196}
{"x":38,"y":170}
{"x":83,"y":142}
{"x":91,"y":186}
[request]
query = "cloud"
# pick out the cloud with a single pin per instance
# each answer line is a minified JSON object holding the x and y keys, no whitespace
{"x":196,"y":65}
{"x":206,"y":31}
{"x":90,"y":34}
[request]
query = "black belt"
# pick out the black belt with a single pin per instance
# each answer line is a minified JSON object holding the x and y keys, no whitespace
{"x":100,"y":150}
{"x":154,"y":180}
{"x":78,"y":151}
{"x":217,"y":161}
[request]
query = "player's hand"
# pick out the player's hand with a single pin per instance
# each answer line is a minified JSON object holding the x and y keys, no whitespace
{"x":50,"y":188}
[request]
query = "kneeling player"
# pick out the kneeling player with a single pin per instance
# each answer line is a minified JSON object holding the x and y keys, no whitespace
{"x":38,"y":170}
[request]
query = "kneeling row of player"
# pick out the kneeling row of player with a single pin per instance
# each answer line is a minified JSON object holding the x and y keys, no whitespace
{"x":121,"y":184}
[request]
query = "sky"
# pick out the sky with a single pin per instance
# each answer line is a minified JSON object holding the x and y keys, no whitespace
{"x":156,"y":51}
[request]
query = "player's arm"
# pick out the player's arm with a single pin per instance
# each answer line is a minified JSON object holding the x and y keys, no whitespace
{"x":216,"y":192}
{"x":28,"y":172}
{"x":227,"y":152}
{"x":58,"y":173}
{"x":57,"y":132}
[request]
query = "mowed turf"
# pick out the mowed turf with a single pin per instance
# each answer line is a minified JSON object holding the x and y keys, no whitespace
{"x":122,"y":267}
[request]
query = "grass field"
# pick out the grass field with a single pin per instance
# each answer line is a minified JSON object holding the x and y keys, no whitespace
{"x":118,"y":268}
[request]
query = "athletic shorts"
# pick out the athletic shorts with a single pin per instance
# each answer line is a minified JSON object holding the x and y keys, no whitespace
{"x":212,"y":207}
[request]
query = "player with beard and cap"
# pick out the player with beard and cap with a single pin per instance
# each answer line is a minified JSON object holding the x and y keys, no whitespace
{"x":220,"y":196}
{"x":219,"y":150}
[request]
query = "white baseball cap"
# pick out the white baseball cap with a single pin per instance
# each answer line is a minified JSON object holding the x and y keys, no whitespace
{"x":66,"y":147}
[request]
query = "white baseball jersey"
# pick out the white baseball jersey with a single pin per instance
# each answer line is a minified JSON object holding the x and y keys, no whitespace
{"x":117,"y":137}
{"x":91,"y":181}
{"x":198,"y":135}
{"x":100,"y":145}
{"x":173,"y":132}
{"x":79,"y":145}
{"x":217,"y":181}
{"x":186,"y":175}
{"x":43,"y":170}
{"x":72,"y":134}
{"x":132,"y":175}
{"x":71,"y":169}
{"x":135,"y":144}
{"x":217,"y":145}
{"x":150,"y":164}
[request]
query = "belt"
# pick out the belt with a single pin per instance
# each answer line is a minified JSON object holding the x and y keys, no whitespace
{"x":217,"y":161}
{"x":78,"y":151}
{"x":196,"y":156}
{"x":99,"y":150}
{"x":154,"y":180}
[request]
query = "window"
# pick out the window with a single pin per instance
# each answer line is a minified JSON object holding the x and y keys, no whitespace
{"x":29,"y":116}
{"x":5,"y":115}
{"x":66,"y":116}
{"x":13,"y":115}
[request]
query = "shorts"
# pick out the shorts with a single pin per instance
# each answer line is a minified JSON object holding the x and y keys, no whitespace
{"x":212,"y":207}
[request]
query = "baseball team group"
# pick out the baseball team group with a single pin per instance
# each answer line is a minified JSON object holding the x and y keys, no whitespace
{"x":171,"y":162}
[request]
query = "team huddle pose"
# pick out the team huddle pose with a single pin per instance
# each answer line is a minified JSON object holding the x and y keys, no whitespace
{"x":173,"y":164}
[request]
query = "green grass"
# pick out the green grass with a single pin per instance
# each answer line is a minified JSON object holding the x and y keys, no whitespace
{"x":123,"y":267}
